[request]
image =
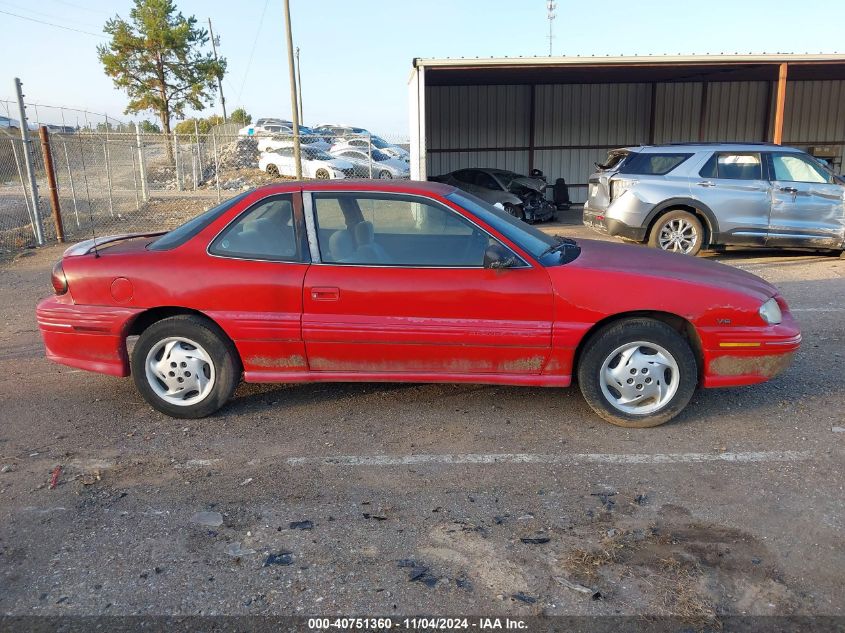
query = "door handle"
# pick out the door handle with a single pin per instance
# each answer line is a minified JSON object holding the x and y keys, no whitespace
{"x":788,"y":189}
{"x":706,"y":183}
{"x":325,"y":294}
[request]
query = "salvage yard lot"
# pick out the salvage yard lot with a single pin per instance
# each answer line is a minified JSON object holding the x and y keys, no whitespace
{"x":478,"y":499}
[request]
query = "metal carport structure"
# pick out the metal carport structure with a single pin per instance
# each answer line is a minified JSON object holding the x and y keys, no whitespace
{"x":562,"y":114}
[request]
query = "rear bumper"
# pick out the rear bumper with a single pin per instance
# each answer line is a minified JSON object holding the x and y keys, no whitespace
{"x":85,"y":337}
{"x":748,"y":356}
{"x":598,"y":221}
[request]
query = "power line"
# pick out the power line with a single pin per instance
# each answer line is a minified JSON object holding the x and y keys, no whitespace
{"x":58,"y":26}
{"x":252,"y":52}
{"x":78,"y":6}
{"x":44,"y":15}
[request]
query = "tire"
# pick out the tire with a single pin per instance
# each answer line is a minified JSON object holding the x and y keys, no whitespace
{"x":322,"y":174}
{"x":273,"y":170}
{"x":385,"y":175}
{"x":514,"y":210}
{"x":604,"y":352}
{"x":189,"y":345}
{"x":677,"y":232}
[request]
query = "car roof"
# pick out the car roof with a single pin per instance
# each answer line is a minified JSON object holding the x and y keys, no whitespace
{"x":421,"y":187}
{"x":709,"y":147}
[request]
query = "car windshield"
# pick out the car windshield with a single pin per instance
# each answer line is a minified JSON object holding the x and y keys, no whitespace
{"x":526,"y":236}
{"x":182,"y":234}
{"x":505,"y":177}
{"x":315,"y":154}
{"x":379,"y":142}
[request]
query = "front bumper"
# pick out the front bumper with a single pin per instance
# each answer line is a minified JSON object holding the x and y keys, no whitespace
{"x":746,"y":356}
{"x":85,"y":337}
{"x":539,"y":211}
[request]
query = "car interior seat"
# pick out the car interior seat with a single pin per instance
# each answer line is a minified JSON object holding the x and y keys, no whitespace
{"x":341,"y":246}
{"x":368,"y":249}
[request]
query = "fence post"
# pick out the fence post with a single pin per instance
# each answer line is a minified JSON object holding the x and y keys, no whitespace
{"x":199,"y":154}
{"x":108,"y":176}
{"x":176,"y":161}
{"x":72,"y":188}
{"x":37,"y":227}
{"x":216,"y":165}
{"x":51,"y":181}
{"x":135,"y":181}
{"x":26,"y":199}
{"x":142,"y":168}
{"x":370,"y":153}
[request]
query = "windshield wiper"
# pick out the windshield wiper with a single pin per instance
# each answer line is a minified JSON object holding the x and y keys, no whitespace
{"x":562,"y":244}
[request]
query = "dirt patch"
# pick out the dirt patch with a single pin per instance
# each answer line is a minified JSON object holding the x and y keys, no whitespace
{"x":766,"y":366}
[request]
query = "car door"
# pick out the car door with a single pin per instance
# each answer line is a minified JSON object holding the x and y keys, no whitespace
{"x":808,"y":206}
{"x":257,"y":264}
{"x":734,"y":187}
{"x":400,"y":288}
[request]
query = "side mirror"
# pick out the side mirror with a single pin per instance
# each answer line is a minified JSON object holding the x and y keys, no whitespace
{"x":497,"y":256}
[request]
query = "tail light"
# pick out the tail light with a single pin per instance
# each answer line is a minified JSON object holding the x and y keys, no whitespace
{"x":58,"y":279}
{"x":618,"y":186}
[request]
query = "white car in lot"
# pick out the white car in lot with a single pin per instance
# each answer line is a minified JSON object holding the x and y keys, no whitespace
{"x":364,"y":142}
{"x":279,"y":141}
{"x":315,"y":164}
{"x":373,"y":163}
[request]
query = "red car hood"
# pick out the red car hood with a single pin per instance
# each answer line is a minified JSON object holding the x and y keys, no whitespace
{"x":650,"y":262}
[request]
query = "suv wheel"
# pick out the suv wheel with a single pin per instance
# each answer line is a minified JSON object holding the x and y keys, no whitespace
{"x":677,"y":232}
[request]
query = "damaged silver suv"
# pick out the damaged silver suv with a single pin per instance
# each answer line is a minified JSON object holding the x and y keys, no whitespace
{"x":686,"y":197}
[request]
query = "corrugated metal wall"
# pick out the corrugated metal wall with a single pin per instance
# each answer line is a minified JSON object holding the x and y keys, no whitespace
{"x":575,"y":124}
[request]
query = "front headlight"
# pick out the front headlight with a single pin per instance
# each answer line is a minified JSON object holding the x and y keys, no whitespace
{"x":770,"y":312}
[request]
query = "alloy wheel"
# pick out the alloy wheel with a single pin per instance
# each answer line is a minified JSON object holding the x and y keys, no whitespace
{"x":179,"y":371}
{"x":639,"y":378}
{"x":678,"y":235}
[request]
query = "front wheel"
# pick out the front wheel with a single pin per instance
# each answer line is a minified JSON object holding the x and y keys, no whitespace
{"x":385,"y":175}
{"x":677,"y":232}
{"x":637,"y":373}
{"x":273,"y":171}
{"x":515,"y":210}
{"x":185,"y":367}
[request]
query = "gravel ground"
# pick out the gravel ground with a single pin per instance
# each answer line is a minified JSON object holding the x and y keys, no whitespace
{"x":393,"y":500}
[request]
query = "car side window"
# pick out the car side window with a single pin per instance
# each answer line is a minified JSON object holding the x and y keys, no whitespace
{"x":395,"y":230}
{"x":795,"y":168}
{"x":464,"y":175}
{"x":709,"y":169}
{"x":731,"y":166}
{"x":483,"y":179}
{"x":266,"y":231}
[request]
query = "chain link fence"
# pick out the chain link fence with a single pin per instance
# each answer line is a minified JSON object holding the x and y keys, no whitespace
{"x":109,"y":181}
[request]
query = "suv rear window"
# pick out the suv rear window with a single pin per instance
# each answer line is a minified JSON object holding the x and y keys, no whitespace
{"x":652,"y":164}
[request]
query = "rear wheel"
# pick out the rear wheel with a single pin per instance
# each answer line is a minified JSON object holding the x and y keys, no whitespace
{"x":384,"y":174}
{"x":677,"y":232}
{"x":637,"y":373}
{"x":322,"y":174}
{"x":185,"y":367}
{"x":273,"y":170}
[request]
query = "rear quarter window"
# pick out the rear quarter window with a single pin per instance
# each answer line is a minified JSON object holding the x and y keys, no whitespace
{"x":653,"y":164}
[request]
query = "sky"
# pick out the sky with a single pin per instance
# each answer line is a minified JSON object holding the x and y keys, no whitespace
{"x":356,"y":55}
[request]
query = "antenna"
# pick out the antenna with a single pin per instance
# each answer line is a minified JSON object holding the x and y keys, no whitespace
{"x":551,"y":15}
{"x":87,"y":193}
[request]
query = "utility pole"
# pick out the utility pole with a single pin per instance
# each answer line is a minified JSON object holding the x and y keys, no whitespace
{"x":37,"y":227}
{"x":219,"y":78}
{"x":297,"y":158}
{"x":299,"y":84}
{"x":551,"y":6}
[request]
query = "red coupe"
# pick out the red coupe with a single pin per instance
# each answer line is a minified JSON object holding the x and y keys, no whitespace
{"x":411,"y":282}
